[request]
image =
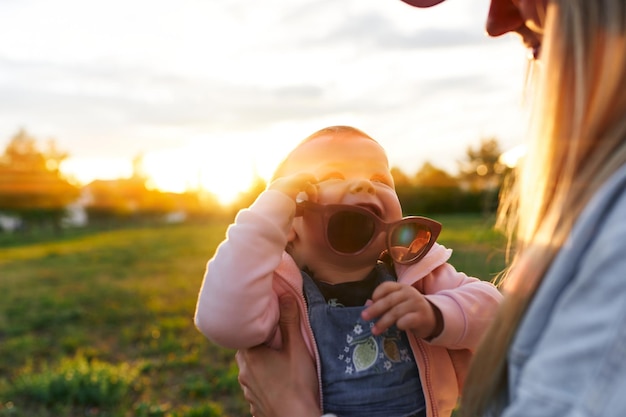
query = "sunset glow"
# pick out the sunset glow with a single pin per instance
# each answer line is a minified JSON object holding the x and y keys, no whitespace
{"x":194,"y":168}
{"x":174,"y":170}
{"x":512,"y":157}
{"x":214,"y":94}
{"x":85,"y":170}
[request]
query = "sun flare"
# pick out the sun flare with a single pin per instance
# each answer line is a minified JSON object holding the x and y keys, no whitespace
{"x":512,"y":157}
{"x":192,"y":169}
{"x":225,"y":165}
{"x":85,"y":170}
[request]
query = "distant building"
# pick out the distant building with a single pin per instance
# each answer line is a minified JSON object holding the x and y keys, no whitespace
{"x":9,"y":223}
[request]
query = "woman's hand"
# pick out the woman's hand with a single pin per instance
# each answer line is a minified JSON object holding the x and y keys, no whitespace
{"x":281,"y":383}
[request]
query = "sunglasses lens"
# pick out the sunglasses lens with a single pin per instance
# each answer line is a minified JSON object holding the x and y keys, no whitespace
{"x":408,"y":241}
{"x":349,"y":231}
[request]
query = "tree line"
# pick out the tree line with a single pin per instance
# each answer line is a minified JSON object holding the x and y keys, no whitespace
{"x":36,"y":194}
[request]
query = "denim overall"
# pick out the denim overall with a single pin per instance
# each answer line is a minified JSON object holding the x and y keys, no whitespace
{"x":362,"y":374}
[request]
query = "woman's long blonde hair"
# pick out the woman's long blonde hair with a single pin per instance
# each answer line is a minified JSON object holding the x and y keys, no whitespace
{"x":577,"y":140}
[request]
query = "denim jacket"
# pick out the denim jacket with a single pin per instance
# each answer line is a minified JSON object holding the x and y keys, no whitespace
{"x":568,"y":357}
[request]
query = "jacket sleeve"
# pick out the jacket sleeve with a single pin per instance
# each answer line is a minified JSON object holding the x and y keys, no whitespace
{"x":468,"y":306}
{"x":568,"y":358}
{"x":237,"y":307}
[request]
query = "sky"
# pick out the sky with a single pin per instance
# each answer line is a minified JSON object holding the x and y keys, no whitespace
{"x":214,"y":92}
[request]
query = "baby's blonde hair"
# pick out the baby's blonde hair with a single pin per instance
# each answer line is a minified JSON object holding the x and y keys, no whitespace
{"x":343,"y":131}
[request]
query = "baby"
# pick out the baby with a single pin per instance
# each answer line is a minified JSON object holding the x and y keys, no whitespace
{"x":390,"y":324}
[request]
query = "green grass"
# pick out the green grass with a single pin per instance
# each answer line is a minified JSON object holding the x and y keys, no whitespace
{"x":477,"y":249}
{"x":101,"y":323}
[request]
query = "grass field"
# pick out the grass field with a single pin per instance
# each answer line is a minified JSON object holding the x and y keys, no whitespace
{"x":101,"y":323}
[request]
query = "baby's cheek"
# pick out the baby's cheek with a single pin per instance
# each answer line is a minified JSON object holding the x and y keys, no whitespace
{"x":327,"y":193}
{"x":393,"y":208}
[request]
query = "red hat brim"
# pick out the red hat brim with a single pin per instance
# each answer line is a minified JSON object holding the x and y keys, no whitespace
{"x":423,"y":3}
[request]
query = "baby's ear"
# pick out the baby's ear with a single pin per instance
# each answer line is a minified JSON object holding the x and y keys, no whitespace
{"x":291,"y":236}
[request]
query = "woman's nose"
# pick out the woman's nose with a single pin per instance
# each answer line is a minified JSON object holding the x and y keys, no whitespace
{"x":503,"y":17}
{"x":362,"y":186}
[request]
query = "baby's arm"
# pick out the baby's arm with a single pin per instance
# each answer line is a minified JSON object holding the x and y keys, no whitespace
{"x":237,"y":306}
{"x":467,"y":304}
{"x":449,"y":309}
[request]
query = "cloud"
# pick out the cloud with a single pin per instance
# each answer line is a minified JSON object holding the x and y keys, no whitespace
{"x":129,"y":77}
{"x":379,"y":32}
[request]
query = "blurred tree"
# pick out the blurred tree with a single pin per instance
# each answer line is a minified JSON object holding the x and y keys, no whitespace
{"x":126,"y":199}
{"x":431,"y":176}
{"x":31,"y":185}
{"x":431,"y":190}
{"x":110,"y":202}
{"x":399,"y":177}
{"x":482,"y":168}
{"x":135,"y":199}
{"x":199,"y":205}
{"x":483,"y":172}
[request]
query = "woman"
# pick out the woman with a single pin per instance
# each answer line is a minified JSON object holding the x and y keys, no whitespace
{"x":558,"y":344}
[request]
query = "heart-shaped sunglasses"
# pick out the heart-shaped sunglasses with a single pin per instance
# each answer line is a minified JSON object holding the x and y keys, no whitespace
{"x":349,"y":230}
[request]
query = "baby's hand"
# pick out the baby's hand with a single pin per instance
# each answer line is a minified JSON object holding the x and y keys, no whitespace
{"x":406,"y":307}
{"x":292,"y":185}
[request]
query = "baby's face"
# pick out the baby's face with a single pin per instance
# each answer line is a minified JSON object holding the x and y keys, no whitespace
{"x":350,"y":170}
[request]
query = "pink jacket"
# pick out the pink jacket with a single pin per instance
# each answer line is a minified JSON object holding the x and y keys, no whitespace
{"x":238,"y":302}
